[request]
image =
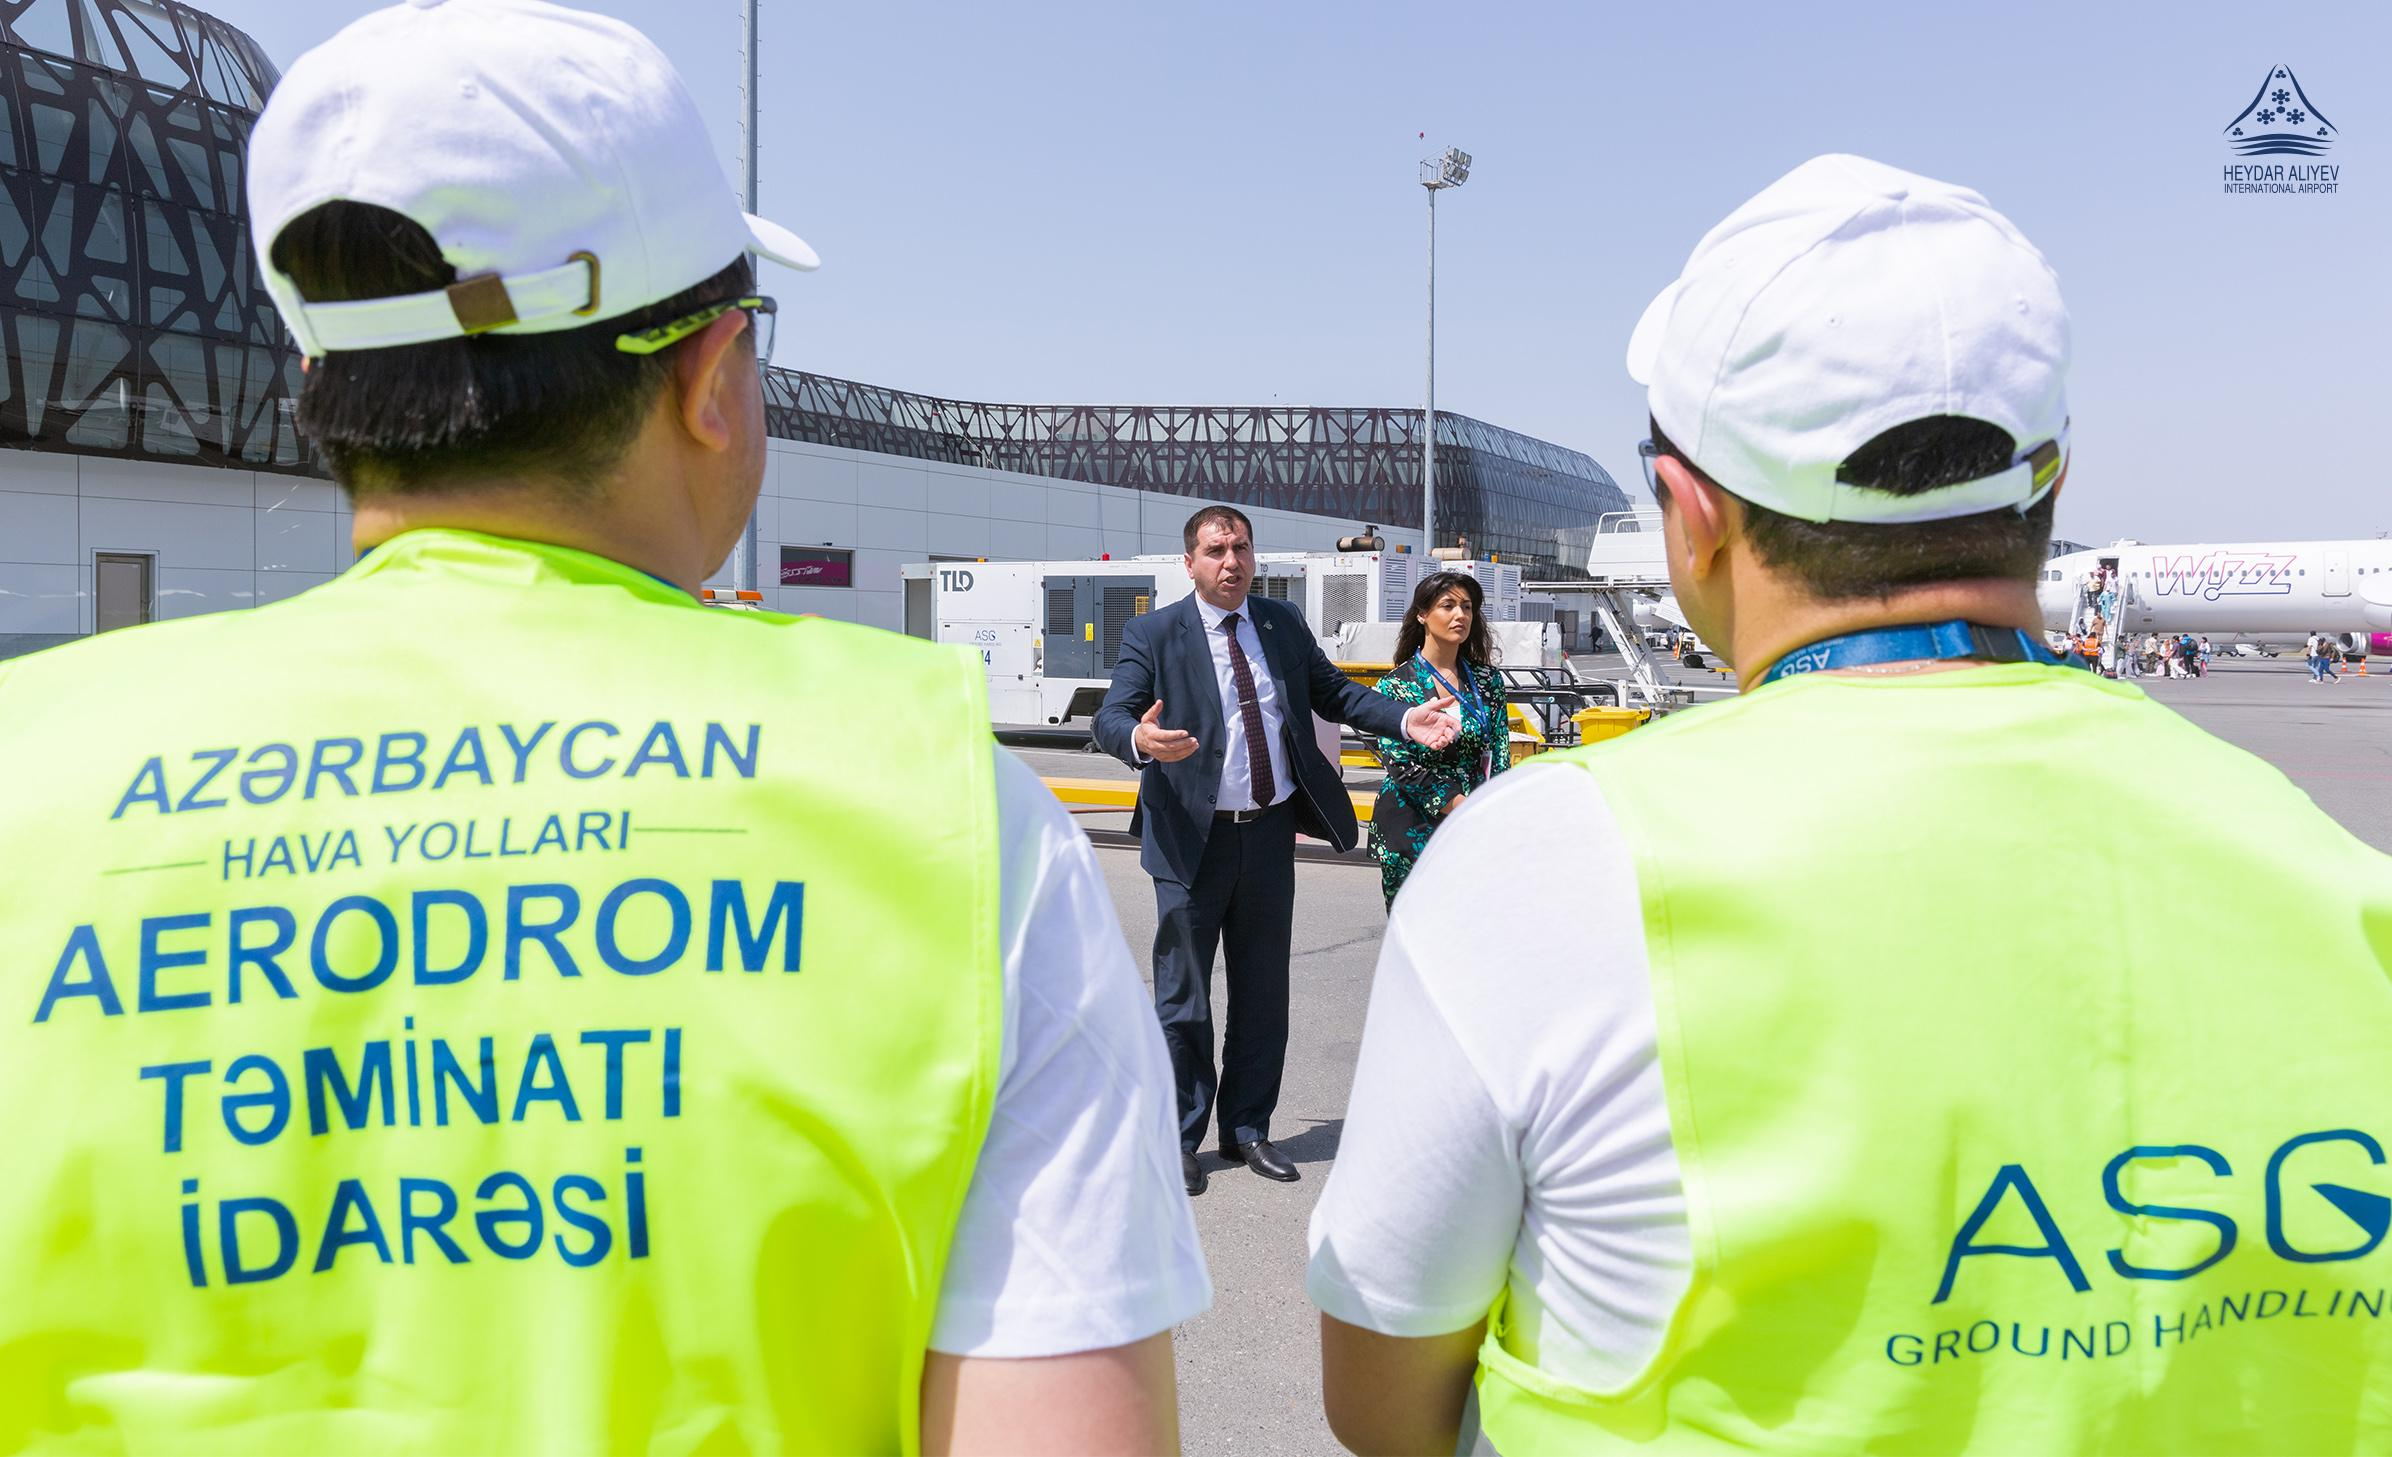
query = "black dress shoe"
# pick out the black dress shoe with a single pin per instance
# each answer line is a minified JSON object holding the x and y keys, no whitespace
{"x":1265,"y":1160}
{"x":1191,"y":1171}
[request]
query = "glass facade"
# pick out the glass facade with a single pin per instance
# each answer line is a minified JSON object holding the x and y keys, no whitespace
{"x":133,"y":323}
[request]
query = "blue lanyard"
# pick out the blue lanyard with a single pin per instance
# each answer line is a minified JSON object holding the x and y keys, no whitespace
{"x":1923,"y":642}
{"x":1467,"y":695}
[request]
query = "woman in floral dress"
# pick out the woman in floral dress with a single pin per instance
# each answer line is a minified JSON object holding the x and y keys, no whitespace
{"x":1443,"y":651}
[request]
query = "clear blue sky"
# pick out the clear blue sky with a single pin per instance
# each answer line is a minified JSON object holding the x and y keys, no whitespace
{"x":1216,"y":203}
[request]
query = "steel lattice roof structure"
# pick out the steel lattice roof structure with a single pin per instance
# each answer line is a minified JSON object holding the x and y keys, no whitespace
{"x":133,"y":322}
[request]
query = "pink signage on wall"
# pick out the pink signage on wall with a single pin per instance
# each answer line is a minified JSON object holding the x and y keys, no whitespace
{"x":815,"y":568}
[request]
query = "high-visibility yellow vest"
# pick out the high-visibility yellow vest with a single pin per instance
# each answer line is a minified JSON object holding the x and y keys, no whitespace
{"x":488,"y":1003}
{"x":1966,"y":1171}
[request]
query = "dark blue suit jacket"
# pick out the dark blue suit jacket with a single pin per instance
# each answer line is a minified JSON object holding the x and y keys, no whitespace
{"x":1164,"y":655}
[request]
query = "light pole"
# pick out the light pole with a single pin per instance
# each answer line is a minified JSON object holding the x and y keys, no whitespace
{"x":1436,"y":174}
{"x":743,"y":557}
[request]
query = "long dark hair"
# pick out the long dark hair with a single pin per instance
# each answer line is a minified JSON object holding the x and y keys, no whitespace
{"x":1478,"y":649}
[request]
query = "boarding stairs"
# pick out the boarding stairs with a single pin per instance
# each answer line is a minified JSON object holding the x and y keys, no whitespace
{"x":1628,"y":562}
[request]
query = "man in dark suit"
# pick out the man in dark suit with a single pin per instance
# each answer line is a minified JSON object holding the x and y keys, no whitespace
{"x":1223,"y":794}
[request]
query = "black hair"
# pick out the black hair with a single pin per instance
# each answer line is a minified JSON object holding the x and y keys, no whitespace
{"x":1843,"y":560}
{"x":561,"y":406}
{"x":1478,"y":648}
{"x":1208,"y":515}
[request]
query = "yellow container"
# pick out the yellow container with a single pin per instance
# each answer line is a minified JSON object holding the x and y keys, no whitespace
{"x":1597,"y":724}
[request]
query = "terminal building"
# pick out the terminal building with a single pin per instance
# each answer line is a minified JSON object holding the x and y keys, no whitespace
{"x":150,"y":467}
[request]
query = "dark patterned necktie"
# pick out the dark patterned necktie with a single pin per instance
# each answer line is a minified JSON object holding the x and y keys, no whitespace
{"x":1258,"y":748}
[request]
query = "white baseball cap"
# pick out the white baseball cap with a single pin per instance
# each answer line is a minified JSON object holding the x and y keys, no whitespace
{"x":1845,"y":299}
{"x":554,"y":156}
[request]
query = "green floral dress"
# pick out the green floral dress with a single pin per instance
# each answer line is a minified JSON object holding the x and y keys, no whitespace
{"x":1423,"y":783}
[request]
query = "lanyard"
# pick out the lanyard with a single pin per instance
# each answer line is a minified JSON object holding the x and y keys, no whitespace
{"x":1468,"y":696}
{"x":1931,"y":641}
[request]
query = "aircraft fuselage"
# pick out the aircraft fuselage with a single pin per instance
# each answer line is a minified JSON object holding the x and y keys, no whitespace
{"x":2272,"y":591}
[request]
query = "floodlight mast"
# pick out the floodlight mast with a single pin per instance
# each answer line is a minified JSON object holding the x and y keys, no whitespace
{"x":743,"y":556}
{"x":1436,"y":174}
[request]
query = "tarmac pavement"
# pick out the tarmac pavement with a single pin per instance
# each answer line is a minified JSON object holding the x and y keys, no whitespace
{"x":1249,"y":1376}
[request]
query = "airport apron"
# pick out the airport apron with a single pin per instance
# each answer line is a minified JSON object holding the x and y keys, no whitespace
{"x":1964,"y":1173}
{"x":492,"y":1003}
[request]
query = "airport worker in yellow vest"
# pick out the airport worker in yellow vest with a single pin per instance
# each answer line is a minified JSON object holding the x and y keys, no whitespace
{"x":493,"y":1003}
{"x":1787,"y":1117}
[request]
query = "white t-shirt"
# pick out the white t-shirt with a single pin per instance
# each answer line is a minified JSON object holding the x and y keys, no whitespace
{"x":1076,"y":1233}
{"x":1507,"y":1121}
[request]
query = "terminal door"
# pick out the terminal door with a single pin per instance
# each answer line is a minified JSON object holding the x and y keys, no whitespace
{"x":1084,"y":619}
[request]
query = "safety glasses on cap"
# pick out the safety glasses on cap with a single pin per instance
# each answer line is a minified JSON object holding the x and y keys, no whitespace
{"x":761,"y":311}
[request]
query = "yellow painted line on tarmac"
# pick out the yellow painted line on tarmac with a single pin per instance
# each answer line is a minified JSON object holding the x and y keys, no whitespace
{"x":1094,"y":793}
{"x":1121,"y":794}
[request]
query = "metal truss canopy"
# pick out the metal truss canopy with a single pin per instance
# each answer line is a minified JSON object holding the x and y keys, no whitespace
{"x":1510,"y":493}
{"x":133,"y":323}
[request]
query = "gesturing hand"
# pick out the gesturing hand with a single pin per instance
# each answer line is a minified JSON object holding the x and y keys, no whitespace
{"x":1153,"y":741}
{"x":1429,"y":725}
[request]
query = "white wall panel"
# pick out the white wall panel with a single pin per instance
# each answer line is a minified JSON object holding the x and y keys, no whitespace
{"x":877,"y":571}
{"x":39,"y":527}
{"x":149,"y":480}
{"x":1010,"y":498}
{"x":893,"y":530}
{"x":1280,"y":531}
{"x":1118,"y":511}
{"x":1067,"y":507}
{"x":811,"y":523}
{"x":190,"y":591}
{"x":1068,"y":543}
{"x":812,"y":477}
{"x":297,"y":493}
{"x":40,"y":597}
{"x":26,"y":470}
{"x":282,"y":586}
{"x":955,"y":535}
{"x":958,"y":491}
{"x":891,"y":487}
{"x":183,"y":535}
{"x":874,"y":609}
{"x":1023,"y":540}
{"x":884,"y":610}
{"x":235,"y":538}
{"x":294,"y":541}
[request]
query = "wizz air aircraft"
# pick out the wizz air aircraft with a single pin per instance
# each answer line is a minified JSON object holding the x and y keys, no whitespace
{"x":2259,"y":592}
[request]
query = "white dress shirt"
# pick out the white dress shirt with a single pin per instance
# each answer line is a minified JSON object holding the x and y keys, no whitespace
{"x":1237,"y":774}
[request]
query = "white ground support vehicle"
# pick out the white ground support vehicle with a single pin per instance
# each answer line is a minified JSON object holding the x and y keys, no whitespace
{"x":1049,"y":632}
